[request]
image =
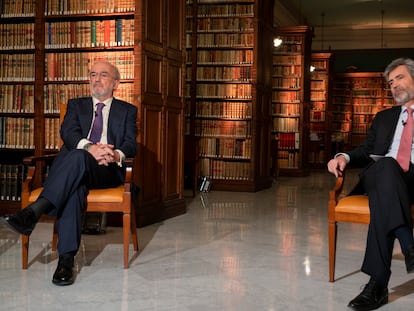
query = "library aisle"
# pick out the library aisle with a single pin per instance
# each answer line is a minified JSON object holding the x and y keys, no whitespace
{"x":231,"y":251}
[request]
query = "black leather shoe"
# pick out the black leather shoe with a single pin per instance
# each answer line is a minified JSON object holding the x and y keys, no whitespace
{"x":64,"y":272}
{"x":409,"y":259}
{"x":22,"y":222}
{"x":372,"y":297}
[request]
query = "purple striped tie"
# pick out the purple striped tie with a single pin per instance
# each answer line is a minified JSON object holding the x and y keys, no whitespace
{"x":96,"y":131}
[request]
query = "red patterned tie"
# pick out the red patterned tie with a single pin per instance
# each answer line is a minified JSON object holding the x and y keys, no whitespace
{"x":404,"y":151}
{"x":96,"y":131}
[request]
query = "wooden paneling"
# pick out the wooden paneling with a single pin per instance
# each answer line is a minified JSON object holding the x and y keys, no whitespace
{"x":153,"y":20}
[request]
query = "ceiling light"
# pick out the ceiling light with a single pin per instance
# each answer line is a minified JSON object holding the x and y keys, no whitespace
{"x":277,"y":41}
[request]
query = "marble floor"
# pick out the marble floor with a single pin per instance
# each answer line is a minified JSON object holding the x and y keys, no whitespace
{"x":231,"y":251}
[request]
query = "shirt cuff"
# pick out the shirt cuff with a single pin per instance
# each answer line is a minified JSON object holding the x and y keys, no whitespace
{"x":121,"y":157}
{"x":82,"y":143}
{"x":347,"y":158}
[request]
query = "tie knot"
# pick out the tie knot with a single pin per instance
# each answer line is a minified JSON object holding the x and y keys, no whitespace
{"x":99,"y":106}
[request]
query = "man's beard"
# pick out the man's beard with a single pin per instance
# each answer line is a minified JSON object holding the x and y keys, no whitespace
{"x":404,"y":97}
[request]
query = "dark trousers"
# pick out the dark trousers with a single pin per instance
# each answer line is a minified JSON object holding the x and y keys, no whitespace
{"x":70,"y":177}
{"x":390,"y":193}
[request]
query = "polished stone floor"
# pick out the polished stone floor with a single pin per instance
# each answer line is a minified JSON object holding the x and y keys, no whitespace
{"x":231,"y":251}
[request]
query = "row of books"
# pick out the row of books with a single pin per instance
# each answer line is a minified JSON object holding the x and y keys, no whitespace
{"x":377,"y":93}
{"x":224,"y":9}
{"x":225,"y":109}
{"x":288,"y":141}
{"x":222,"y":73}
{"x":225,"y":148}
{"x":282,"y":59}
{"x":26,"y":8}
{"x":286,"y":96}
{"x":52,"y":135}
{"x":58,"y":7}
{"x":286,"y":109}
{"x":223,"y":128}
{"x":287,"y":70}
{"x":317,"y":85}
{"x":319,"y":65}
{"x":57,"y":94}
{"x":223,"y":57}
{"x":16,"y":36}
{"x":360,"y":128}
{"x":231,"y":40}
{"x":16,"y":98}
{"x":228,"y":90}
{"x":289,"y":46}
{"x":288,"y":159}
{"x":318,"y":95}
{"x":84,"y":34}
{"x":16,"y":133}
{"x":318,"y":105}
{"x":16,"y":67}
{"x":286,"y":82}
{"x":366,"y":101}
{"x":76,"y":66}
{"x":286,"y":124}
{"x":220,"y":169}
{"x":17,"y":8}
{"x":11,"y":179}
{"x":224,"y":24}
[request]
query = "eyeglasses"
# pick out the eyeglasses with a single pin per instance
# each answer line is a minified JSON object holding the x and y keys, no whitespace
{"x":103,"y":75}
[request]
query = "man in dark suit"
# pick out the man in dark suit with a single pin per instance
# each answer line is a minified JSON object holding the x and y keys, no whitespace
{"x":98,"y":132}
{"x":388,"y":180}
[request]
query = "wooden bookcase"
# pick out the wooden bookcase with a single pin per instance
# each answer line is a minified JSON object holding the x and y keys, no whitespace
{"x":320,"y":109}
{"x":145,"y":39}
{"x":228,"y":93}
{"x":291,"y":100}
{"x":357,"y":97}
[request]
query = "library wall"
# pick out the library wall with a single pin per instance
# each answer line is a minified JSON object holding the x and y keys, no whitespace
{"x":62,"y":39}
{"x":227,"y":93}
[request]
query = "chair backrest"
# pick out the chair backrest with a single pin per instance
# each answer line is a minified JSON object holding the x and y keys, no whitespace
{"x":62,"y":113}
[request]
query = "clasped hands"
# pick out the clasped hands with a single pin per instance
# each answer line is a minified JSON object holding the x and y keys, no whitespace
{"x":104,"y":153}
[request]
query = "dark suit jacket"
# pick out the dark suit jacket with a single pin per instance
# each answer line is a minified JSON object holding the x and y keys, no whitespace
{"x":378,"y":141}
{"x":122,"y":128}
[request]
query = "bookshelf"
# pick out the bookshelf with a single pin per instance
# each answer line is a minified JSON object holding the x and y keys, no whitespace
{"x":320,"y":109}
{"x":63,"y":39}
{"x":357,"y":97}
{"x":291,"y":100}
{"x":228,"y":92}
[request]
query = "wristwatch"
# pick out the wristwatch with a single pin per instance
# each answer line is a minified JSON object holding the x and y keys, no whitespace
{"x":87,"y":146}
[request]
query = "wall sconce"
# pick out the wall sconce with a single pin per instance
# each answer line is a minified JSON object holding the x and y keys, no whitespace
{"x":312,"y":68}
{"x":277,"y":41}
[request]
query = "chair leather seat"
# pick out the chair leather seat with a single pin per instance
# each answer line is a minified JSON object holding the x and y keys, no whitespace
{"x":108,"y":195}
{"x":353,"y":204}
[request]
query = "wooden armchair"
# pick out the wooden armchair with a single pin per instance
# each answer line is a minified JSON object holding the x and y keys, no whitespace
{"x":344,"y":208}
{"x":117,"y":199}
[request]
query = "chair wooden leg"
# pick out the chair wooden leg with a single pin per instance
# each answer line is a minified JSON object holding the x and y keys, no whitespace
{"x":332,"y":228}
{"x":134,"y":235}
{"x":126,"y":232}
{"x":25,"y":251}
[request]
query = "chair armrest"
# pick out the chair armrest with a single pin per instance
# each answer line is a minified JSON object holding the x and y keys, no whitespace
{"x":129,"y":165}
{"x":33,"y":159}
{"x":334,"y":195}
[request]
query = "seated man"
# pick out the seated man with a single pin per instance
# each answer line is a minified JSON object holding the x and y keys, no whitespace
{"x":98,"y":132}
{"x":389,"y":183}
